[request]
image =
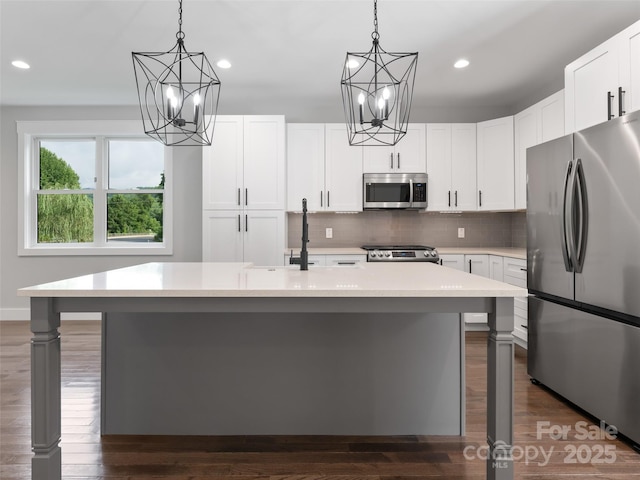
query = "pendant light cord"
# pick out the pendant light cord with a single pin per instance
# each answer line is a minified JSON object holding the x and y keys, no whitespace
{"x":375,"y":35}
{"x":180,"y":34}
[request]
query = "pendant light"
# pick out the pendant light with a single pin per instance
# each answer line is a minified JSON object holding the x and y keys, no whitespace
{"x":178,"y":93}
{"x":377,"y":88}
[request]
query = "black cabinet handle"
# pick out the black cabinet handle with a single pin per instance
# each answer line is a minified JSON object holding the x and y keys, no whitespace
{"x":246,"y":196}
{"x":620,"y":103}
{"x":246,"y":223}
{"x":609,"y":98}
{"x":238,"y":196}
{"x":480,"y":194}
{"x":469,"y":266}
{"x":239,"y":229}
{"x":456,"y":198}
{"x":328,"y":199}
{"x":320,"y":197}
{"x":391,"y":158}
{"x":523,"y":269}
{"x":449,"y":195}
{"x":440,"y":261}
{"x":398,"y":156}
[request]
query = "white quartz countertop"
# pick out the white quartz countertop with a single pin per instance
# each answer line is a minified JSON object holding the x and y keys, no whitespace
{"x":512,"y":252}
{"x":245,"y":280}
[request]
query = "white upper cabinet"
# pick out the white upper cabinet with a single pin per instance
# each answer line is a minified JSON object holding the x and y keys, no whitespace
{"x":526,"y":134}
{"x":245,"y":165}
{"x":222,"y":165}
{"x":591,"y":84}
{"x":323,"y":168}
{"x":264,"y":162}
{"x":629,"y":41}
{"x":605,"y":82}
{"x":551,"y":117}
{"x":305,"y":166}
{"x":407,"y":156}
{"x":537,"y":124}
{"x":451,"y":166}
{"x":343,"y":171}
{"x":495,"y":160}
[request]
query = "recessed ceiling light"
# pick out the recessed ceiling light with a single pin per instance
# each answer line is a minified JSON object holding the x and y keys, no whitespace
{"x":352,"y":63}
{"x":20,"y":64}
{"x":224,"y":64}
{"x":462,"y":63}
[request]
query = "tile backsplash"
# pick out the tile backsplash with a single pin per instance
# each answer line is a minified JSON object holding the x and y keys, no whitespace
{"x":501,"y":229}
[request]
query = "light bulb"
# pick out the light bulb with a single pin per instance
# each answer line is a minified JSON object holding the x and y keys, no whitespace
{"x":196,"y":99}
{"x":174,"y":101}
{"x":170,"y":92}
{"x":381,"y":103}
{"x":352,"y":63}
{"x":386,"y":93}
{"x":361,"y":98}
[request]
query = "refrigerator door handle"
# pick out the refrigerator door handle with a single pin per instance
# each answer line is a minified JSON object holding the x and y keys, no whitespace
{"x":566,"y":214}
{"x":583,"y":217}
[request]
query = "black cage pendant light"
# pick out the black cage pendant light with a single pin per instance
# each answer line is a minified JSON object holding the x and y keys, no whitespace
{"x":377,"y":88}
{"x":178,"y":93}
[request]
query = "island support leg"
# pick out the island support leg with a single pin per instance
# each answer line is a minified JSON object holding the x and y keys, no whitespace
{"x":45,"y":391}
{"x":500,"y":352}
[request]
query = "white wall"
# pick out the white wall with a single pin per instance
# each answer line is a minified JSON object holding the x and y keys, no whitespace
{"x":17,"y":272}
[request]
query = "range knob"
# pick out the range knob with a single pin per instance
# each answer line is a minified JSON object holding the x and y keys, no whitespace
{"x":387,"y":254}
{"x":426,"y":253}
{"x":434,"y":253}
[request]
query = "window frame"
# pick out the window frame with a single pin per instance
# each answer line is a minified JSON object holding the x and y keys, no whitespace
{"x":29,"y":135}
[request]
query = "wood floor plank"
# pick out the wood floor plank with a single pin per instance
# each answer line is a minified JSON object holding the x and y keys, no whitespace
{"x":87,"y":455}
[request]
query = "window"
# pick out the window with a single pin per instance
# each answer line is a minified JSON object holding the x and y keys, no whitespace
{"x":93,"y":188}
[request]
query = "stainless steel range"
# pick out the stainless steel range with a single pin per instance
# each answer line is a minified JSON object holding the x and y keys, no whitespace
{"x":401,"y":253}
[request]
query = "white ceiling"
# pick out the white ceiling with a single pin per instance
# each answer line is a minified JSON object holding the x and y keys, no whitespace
{"x":288,"y":53}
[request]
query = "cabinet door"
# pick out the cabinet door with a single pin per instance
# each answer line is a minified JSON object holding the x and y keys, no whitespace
{"x":477,"y":264}
{"x":452,"y":261}
{"x":408,"y":155}
{"x":439,"y":166}
{"x":264,"y":162}
{"x":629,"y":60}
{"x":588,"y":81}
{"x":222,"y":165}
{"x":410,"y":151}
{"x":305,"y":165}
{"x":378,"y":159}
{"x":552,"y":117}
{"x":343,"y":171}
{"x":496,"y":268}
{"x":495,"y":164}
{"x":222,"y":236}
{"x":526,"y":125}
{"x":463,"y":166}
{"x":344,"y":260}
{"x":263,"y":237}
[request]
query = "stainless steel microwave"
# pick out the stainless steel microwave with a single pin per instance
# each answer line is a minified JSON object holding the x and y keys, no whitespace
{"x":394,"y":190}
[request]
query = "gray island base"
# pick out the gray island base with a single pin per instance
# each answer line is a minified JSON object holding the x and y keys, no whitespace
{"x":348,"y":327}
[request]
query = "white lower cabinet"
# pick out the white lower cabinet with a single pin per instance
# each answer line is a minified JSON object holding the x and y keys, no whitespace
{"x":256,"y":236}
{"x":324,"y":260}
{"x":515,"y":273}
{"x":452,"y":261}
{"x":477,"y":265}
{"x":496,"y":265}
{"x":503,"y":269}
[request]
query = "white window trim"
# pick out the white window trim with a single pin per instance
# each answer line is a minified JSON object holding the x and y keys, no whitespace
{"x":28,"y":131}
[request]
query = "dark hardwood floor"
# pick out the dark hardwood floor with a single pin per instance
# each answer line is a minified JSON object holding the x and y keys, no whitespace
{"x":87,"y":455}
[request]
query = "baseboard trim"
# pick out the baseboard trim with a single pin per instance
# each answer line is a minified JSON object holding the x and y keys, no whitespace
{"x":22,"y":314}
{"x":476,"y":327}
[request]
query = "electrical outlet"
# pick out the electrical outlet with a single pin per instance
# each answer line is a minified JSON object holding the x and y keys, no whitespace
{"x":461,"y":232}
{"x":328,"y":233}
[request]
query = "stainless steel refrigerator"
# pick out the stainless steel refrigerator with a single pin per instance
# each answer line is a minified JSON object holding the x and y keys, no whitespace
{"x":583,"y":252}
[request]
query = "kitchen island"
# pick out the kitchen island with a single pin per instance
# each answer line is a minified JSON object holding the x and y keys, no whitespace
{"x":159,"y":296}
